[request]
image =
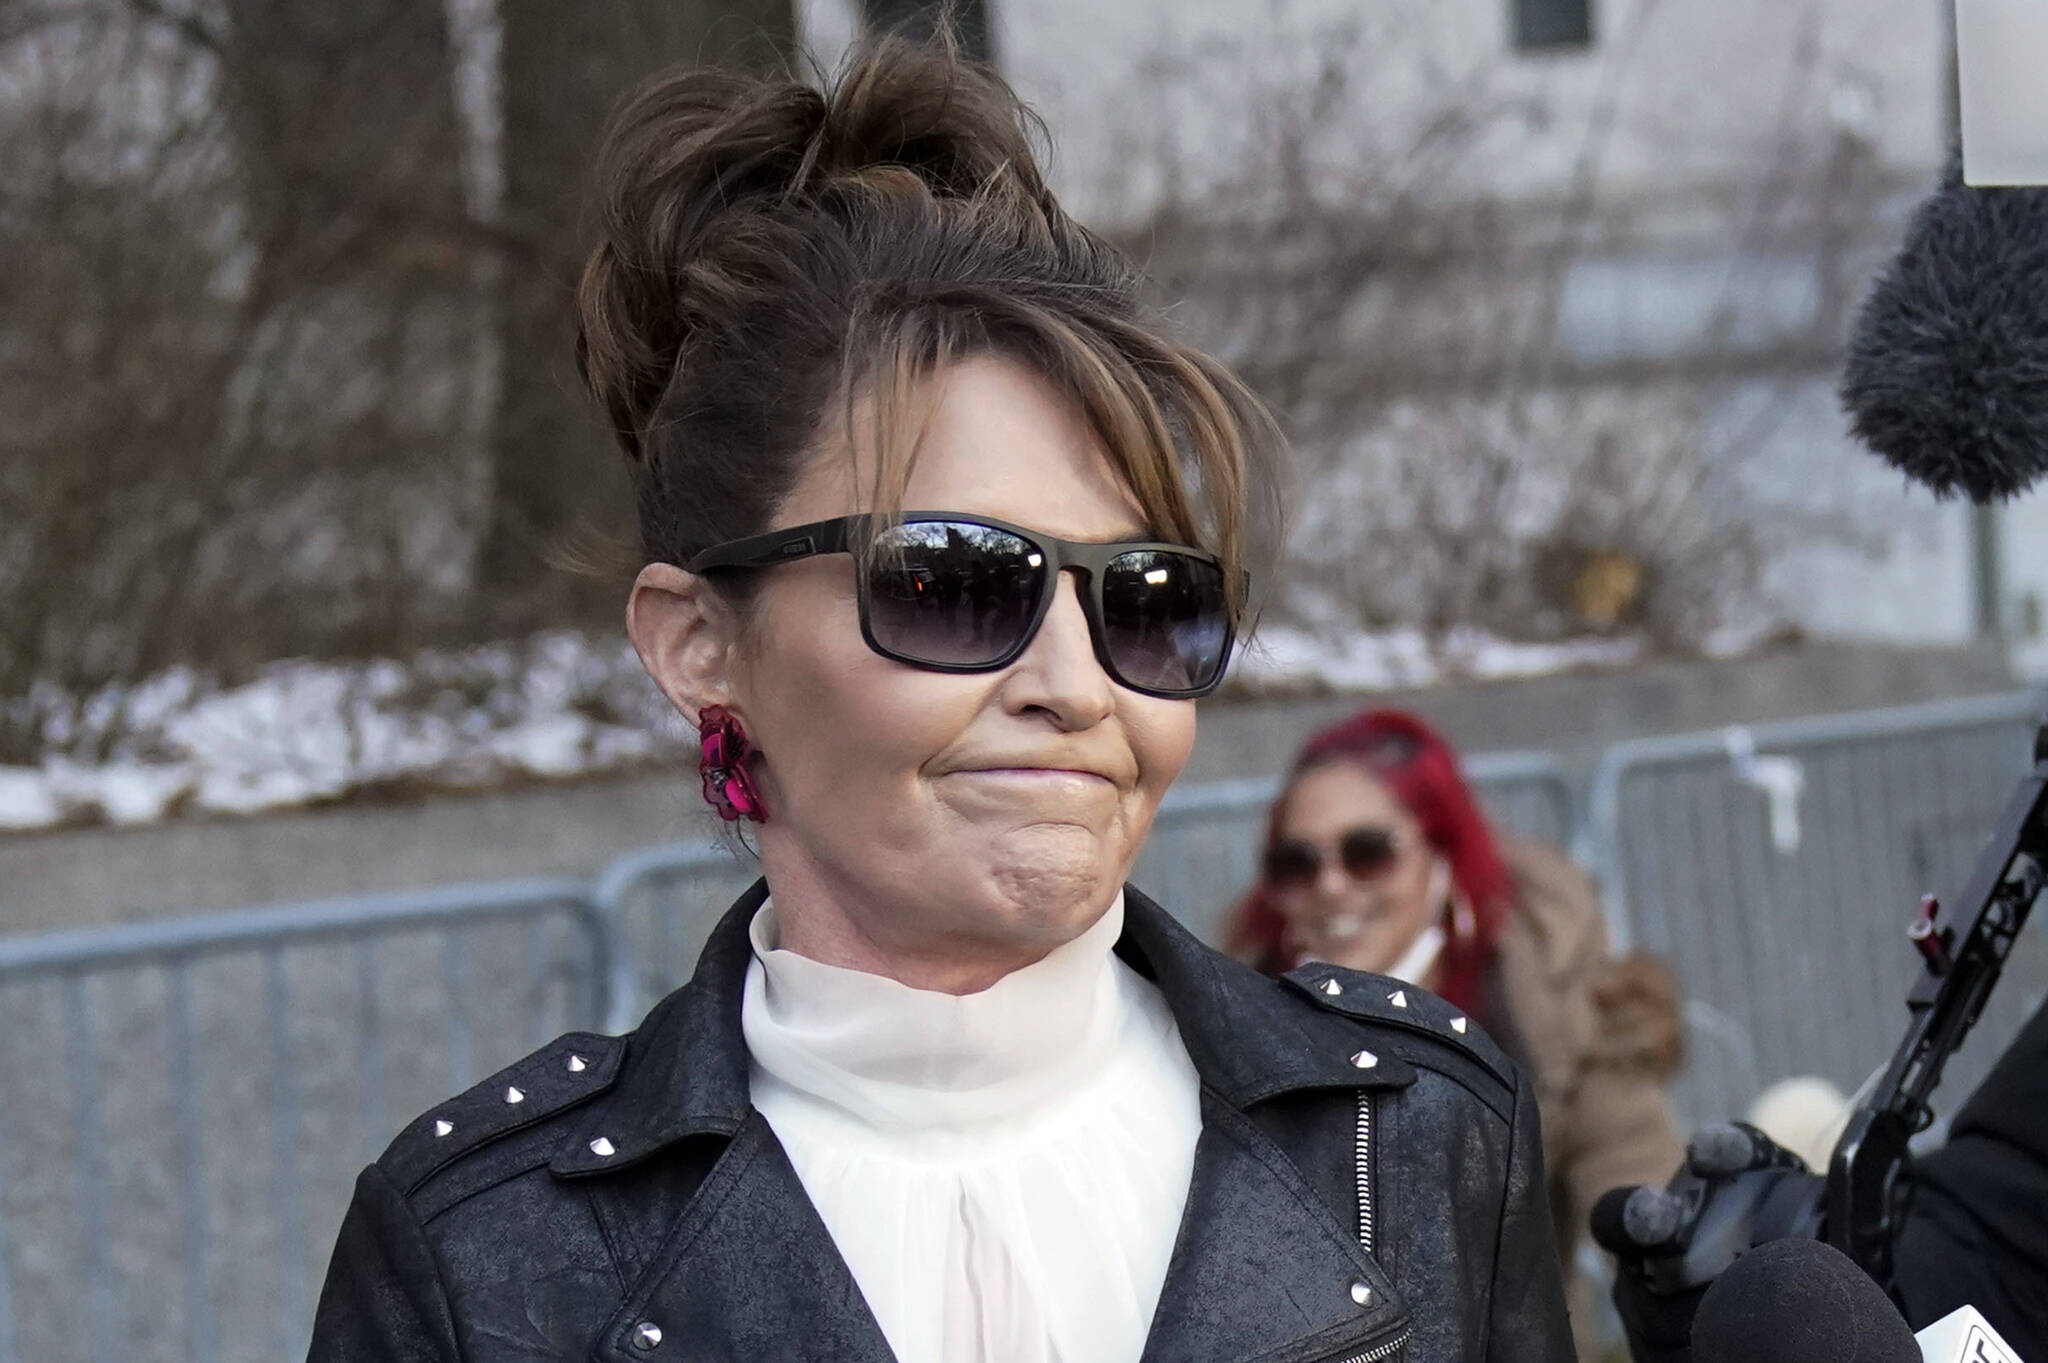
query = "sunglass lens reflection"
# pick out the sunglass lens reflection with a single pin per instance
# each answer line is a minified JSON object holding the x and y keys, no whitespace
{"x":1164,"y":619}
{"x":952,"y":592}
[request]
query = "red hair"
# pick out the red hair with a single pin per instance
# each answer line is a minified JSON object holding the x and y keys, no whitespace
{"x":1415,"y":763}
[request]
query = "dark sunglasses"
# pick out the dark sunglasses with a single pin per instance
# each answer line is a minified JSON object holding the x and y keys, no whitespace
{"x":955,"y":593}
{"x":1364,"y":853}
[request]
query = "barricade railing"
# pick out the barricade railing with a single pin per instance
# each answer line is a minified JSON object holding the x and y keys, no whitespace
{"x":183,"y":1105}
{"x":660,"y":904}
{"x":1775,"y":866}
{"x":186,"y":1102}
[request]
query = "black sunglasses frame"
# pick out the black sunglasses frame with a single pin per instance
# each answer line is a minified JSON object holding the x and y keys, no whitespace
{"x":1088,"y":560}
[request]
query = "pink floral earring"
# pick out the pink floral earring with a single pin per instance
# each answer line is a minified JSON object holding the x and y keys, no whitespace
{"x":727,"y":786}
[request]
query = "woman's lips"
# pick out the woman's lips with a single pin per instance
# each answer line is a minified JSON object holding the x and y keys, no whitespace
{"x":1038,"y":774}
{"x":1041,"y":788}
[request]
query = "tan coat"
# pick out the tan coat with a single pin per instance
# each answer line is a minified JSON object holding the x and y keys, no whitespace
{"x":1601,"y":1038}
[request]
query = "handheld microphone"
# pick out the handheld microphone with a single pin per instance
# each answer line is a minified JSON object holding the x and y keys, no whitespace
{"x":1799,"y":1301}
{"x":1804,"y":1301}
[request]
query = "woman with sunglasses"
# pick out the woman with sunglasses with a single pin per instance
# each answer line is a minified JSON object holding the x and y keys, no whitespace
{"x":944,"y":537}
{"x":1377,"y":857}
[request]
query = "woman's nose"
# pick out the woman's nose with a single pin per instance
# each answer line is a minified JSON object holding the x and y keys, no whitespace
{"x":1332,"y":880}
{"x":1058,"y":671}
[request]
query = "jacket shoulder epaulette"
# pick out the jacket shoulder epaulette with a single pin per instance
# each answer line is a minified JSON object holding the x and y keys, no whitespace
{"x":559,"y":1077}
{"x":1409,"y":1010}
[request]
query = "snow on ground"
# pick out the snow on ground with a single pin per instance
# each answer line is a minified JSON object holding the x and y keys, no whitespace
{"x":558,"y":705}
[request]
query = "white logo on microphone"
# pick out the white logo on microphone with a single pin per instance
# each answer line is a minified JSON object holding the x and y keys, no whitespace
{"x":1963,"y":1336}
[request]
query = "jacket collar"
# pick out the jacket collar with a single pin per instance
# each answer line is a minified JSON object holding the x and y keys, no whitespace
{"x":685,"y":1069}
{"x":685,"y":1072}
{"x":1251,"y":1038}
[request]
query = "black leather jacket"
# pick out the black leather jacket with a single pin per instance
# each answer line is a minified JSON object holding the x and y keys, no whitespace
{"x":1366,"y":1187}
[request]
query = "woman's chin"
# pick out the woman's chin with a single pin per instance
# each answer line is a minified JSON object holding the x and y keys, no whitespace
{"x":1050,"y":881}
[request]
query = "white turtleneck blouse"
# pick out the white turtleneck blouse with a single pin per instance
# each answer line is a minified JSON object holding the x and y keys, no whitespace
{"x":1003,"y":1172}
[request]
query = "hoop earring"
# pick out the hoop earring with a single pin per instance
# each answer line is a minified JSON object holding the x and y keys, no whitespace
{"x":1440,"y":886}
{"x":728,"y":788}
{"x":1464,"y":922}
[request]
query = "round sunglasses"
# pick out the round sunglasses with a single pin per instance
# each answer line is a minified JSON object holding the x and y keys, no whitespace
{"x":953,"y":593}
{"x":1365,"y":854}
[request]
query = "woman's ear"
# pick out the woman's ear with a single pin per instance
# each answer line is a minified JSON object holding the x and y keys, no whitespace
{"x":684,"y":633}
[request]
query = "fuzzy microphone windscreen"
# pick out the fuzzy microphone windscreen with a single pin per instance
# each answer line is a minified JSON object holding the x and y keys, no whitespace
{"x":1799,"y":1301}
{"x":1947,"y":372}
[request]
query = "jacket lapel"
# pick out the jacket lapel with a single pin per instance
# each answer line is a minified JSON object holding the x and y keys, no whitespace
{"x":750,"y":1272}
{"x":1250,"y":1040}
{"x":1261,"y":1270}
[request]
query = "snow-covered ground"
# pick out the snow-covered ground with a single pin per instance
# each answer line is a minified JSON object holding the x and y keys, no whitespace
{"x":558,"y":705}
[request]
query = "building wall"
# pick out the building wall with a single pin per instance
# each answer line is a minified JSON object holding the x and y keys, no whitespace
{"x":1693,"y":126}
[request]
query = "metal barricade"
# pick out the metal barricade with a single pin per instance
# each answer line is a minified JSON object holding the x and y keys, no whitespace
{"x":1775,"y":869}
{"x":660,"y":905}
{"x":1202,"y":854}
{"x":183,"y":1105}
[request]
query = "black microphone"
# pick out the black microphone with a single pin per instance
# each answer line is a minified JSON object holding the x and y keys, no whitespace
{"x":1799,"y":1301}
{"x":1947,"y":370}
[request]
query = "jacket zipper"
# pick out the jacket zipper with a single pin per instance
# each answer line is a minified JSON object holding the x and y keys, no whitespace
{"x":1362,"y":1148}
{"x":1383,"y":1351}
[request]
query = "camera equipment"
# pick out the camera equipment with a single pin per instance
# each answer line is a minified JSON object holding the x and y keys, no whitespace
{"x":1737,"y":1190}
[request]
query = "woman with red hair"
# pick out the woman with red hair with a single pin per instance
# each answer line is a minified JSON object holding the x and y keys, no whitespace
{"x":1378,"y":858}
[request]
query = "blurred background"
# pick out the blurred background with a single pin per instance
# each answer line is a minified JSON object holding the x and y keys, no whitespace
{"x":311,"y":556}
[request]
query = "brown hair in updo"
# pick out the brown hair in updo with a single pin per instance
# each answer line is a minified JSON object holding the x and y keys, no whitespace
{"x":773,"y":252}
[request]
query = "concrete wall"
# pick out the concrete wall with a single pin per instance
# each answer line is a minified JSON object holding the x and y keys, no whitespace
{"x":90,"y":876}
{"x":1698,"y":93}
